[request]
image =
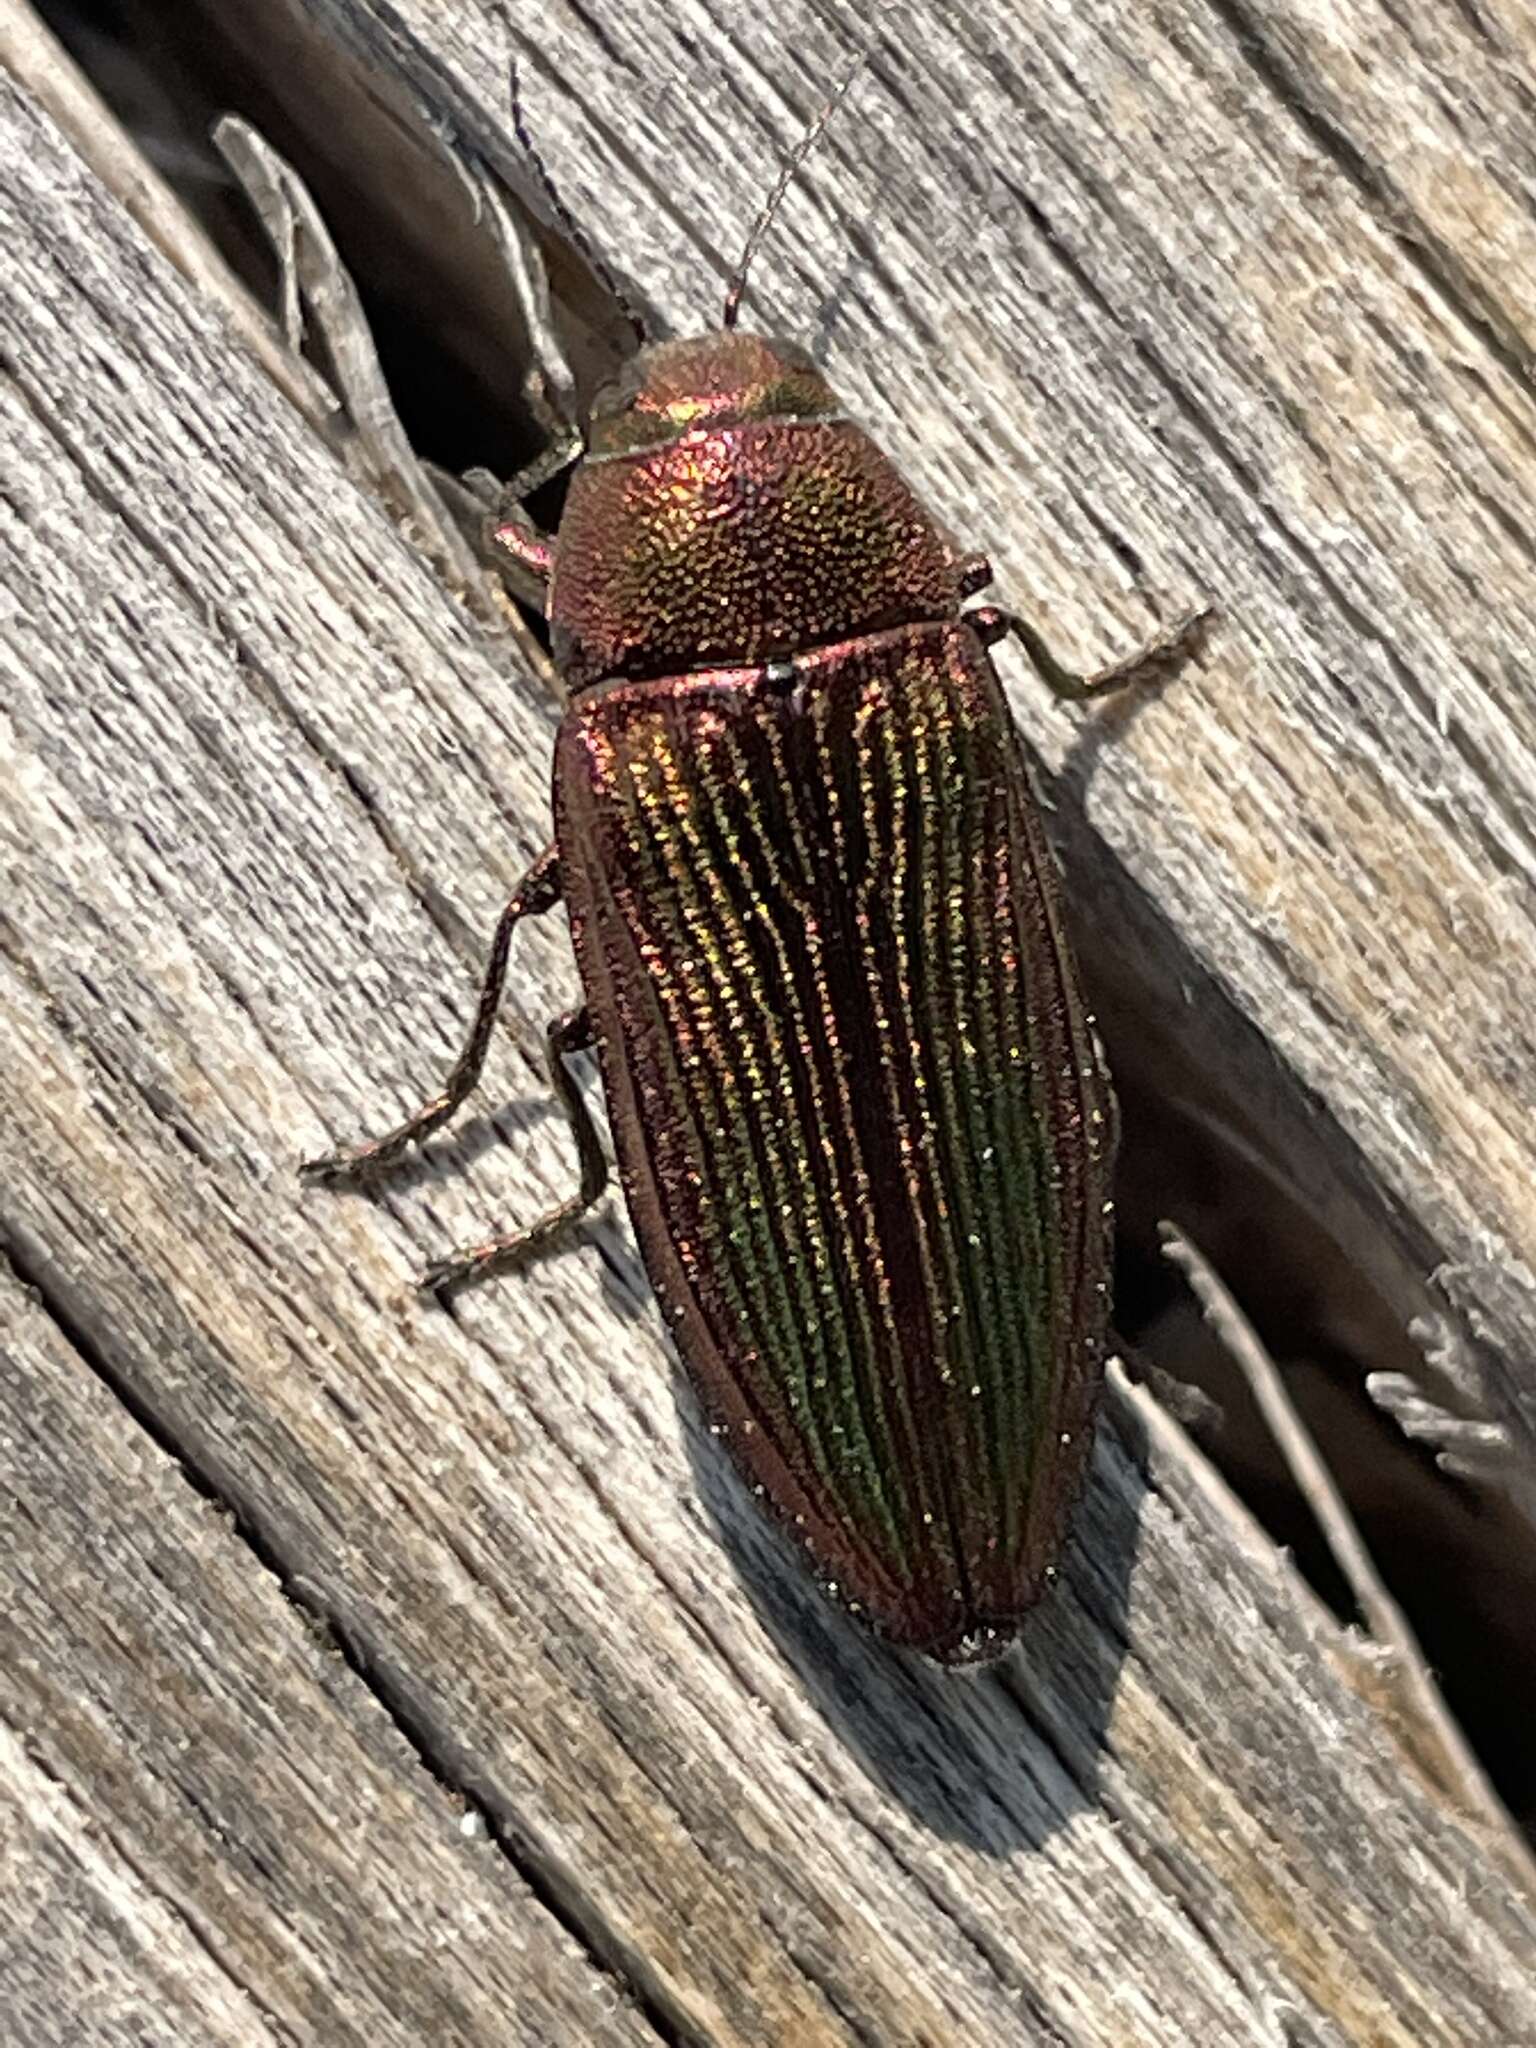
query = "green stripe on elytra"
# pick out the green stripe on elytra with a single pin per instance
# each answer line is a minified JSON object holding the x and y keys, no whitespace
{"x":963,"y":1340}
{"x":853,"y":1455}
{"x":654,"y":839}
{"x":979,"y":1225}
{"x":796,"y":1241}
{"x":833,"y":748}
{"x":882,"y":1474}
{"x":873,"y":896}
{"x":916,"y":1131}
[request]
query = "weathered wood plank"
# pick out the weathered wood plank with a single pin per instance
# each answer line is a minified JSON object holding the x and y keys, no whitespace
{"x":1170,"y":1819}
{"x":215,"y":1833}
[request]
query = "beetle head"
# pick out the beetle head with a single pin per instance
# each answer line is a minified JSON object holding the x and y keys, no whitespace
{"x":716,"y":380}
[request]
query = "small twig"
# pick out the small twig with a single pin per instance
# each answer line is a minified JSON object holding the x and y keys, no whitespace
{"x":1473,"y":1444}
{"x":564,"y":219}
{"x":1467,"y":1449}
{"x":1442,"y":1745}
{"x":549,"y":383}
{"x":1383,"y":1617}
{"x":314,"y":274}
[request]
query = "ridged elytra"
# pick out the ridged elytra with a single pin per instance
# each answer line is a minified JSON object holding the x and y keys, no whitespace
{"x":862,"y":1123}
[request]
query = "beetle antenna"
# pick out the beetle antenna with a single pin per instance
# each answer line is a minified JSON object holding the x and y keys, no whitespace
{"x":764,"y":221}
{"x":573,"y":230}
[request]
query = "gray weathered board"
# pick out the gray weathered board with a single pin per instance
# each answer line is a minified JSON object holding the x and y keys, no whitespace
{"x":375,"y":1673}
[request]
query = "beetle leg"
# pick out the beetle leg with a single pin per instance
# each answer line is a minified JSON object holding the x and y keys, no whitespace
{"x":568,"y":1034}
{"x":1154,"y":659}
{"x":510,"y":528}
{"x":564,"y":451}
{"x":975,"y":573}
{"x":538,"y":891}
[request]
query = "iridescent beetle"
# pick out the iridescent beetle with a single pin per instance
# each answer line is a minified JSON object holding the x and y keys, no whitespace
{"x":862,"y":1123}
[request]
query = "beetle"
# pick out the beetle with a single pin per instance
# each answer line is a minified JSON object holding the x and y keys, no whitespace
{"x":862,"y":1122}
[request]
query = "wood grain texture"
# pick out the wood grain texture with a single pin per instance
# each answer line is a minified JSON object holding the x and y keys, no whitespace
{"x":216,"y":1833}
{"x":264,"y":786}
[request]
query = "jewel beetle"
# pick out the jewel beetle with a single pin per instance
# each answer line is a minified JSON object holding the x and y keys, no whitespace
{"x":862,"y":1122}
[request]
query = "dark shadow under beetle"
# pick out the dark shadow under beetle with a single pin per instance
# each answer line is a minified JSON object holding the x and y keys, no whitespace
{"x":1000,"y":1756}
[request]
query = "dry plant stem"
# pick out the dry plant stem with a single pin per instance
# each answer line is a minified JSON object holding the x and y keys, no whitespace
{"x":549,"y":385}
{"x":32,"y":54}
{"x":1456,"y":1768}
{"x":315,"y":276}
{"x":1490,"y":1448}
{"x":1469,"y":1449}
